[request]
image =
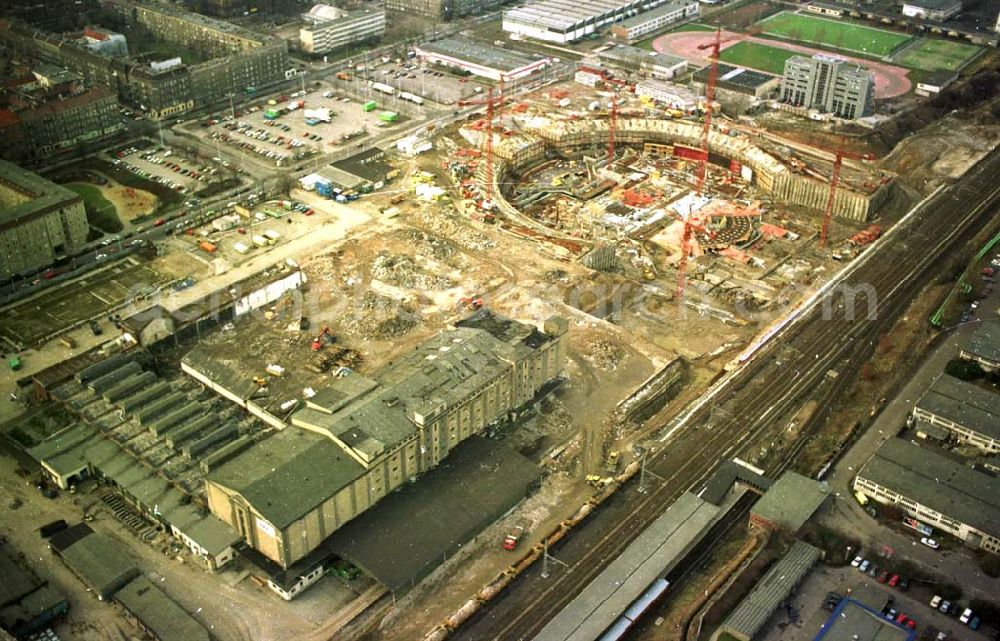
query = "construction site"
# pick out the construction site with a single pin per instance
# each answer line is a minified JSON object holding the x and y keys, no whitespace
{"x":365,"y":413}
{"x":653,"y":189}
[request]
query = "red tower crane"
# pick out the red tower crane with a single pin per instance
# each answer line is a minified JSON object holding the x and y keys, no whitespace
{"x":713,"y":74}
{"x":612,"y":129}
{"x":690,"y":226}
{"x":839,"y":154}
{"x":494,"y":107}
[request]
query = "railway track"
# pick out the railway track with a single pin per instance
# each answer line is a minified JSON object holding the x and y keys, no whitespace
{"x":764,"y":392}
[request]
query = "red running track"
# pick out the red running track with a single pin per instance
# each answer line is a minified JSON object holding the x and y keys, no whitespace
{"x":890,"y":81}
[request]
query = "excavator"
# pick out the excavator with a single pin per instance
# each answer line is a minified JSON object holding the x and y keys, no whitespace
{"x":325,"y":337}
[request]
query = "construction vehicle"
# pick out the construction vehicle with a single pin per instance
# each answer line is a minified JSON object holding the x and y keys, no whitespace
{"x":325,"y":337}
{"x":514,"y":535}
{"x":471,"y":302}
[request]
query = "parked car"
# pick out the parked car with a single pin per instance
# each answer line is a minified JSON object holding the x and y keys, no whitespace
{"x":931,"y":543}
{"x":857,"y":561}
{"x":966,"y":615}
{"x":864,"y":565}
{"x":936,"y":602}
{"x":944,"y":607}
{"x":974,"y":623}
{"x":894,"y":580}
{"x":883,"y":576}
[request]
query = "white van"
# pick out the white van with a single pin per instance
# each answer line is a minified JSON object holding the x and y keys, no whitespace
{"x":966,"y":615}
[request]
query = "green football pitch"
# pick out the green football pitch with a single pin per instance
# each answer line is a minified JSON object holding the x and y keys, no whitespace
{"x":934,"y":55}
{"x":843,"y":36}
{"x":757,"y":56}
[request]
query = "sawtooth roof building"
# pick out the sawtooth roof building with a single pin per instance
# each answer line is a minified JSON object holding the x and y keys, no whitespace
{"x":984,"y":346}
{"x":568,"y":20}
{"x":965,"y":412}
{"x":935,"y":489}
{"x":358,"y":439}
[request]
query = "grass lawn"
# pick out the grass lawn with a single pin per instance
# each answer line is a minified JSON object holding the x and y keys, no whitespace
{"x":933,"y":55}
{"x":757,"y":56}
{"x":647,"y":44}
{"x":844,"y":36}
{"x":100,"y":212}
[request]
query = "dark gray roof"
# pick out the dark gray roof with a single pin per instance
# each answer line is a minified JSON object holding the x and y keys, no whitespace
{"x":969,"y":405}
{"x":44,"y":195}
{"x":985,"y":341}
{"x":646,"y":559}
{"x":288,"y":474}
{"x":480,"y":53}
{"x":771,"y":591}
{"x":99,"y":563}
{"x":791,"y":500}
{"x":407,"y":534}
{"x":938,"y":482}
{"x":159,"y":613}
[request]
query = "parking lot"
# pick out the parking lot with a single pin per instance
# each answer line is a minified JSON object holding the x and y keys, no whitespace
{"x":812,"y":607}
{"x":286,"y":138}
{"x":168,"y":169}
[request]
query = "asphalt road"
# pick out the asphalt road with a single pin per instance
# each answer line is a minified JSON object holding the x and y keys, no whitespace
{"x":769,"y":388}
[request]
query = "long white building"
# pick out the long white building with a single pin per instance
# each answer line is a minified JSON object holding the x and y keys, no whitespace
{"x":329,"y":28}
{"x":570,"y":20}
{"x":935,"y":489}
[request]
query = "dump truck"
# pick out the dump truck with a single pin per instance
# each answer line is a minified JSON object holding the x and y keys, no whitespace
{"x":514,"y":535}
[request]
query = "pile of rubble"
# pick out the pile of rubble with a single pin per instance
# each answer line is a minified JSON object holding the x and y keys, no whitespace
{"x":460,"y":234}
{"x":378,"y":317}
{"x":437,"y":247}
{"x":400,"y":271}
{"x":605,"y":355}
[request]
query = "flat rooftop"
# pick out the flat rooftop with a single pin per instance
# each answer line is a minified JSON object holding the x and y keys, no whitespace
{"x":985,"y":341}
{"x":159,"y":613}
{"x":734,"y":77}
{"x":938,"y":482}
{"x":408,"y":533}
{"x":624,"y":54}
{"x":791,"y":500}
{"x":964,"y":403}
{"x":646,"y":559}
{"x":654,"y":14}
{"x":25,"y":195}
{"x":480,"y":53}
{"x":855,"y":621}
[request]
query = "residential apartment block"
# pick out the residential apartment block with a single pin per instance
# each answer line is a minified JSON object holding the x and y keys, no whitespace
{"x":40,"y":221}
{"x":240,"y":62}
{"x":443,"y":9}
{"x":935,"y":489}
{"x":330,"y":28}
{"x":829,"y":84}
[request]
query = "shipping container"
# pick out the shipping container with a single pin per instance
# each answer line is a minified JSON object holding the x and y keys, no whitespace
{"x":207,"y":246}
{"x":272,"y":235}
{"x":241,"y":248}
{"x":388,"y":116}
{"x":371,"y":105}
{"x":260,"y":241}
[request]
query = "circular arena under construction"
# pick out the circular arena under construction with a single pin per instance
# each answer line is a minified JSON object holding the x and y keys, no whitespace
{"x":576,"y":180}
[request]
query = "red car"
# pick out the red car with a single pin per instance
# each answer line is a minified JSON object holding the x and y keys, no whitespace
{"x":894,"y":581}
{"x":309,"y":212}
{"x":159,"y":221}
{"x":883,"y":576}
{"x":902,"y":619}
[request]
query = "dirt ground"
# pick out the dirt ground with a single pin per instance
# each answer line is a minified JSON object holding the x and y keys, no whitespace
{"x":130,"y":203}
